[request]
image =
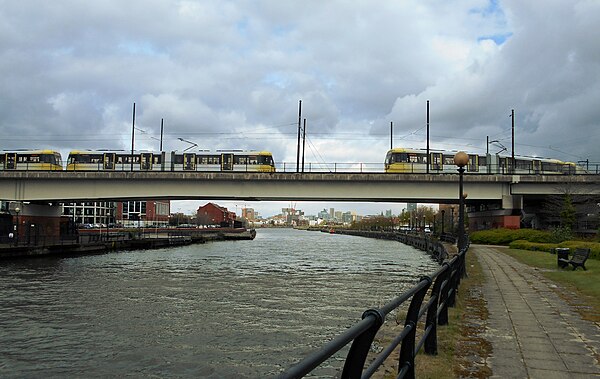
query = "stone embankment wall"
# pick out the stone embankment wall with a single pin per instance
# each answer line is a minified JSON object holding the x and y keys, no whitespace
{"x":435,"y":248}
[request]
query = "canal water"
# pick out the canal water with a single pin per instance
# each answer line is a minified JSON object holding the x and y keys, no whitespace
{"x":240,"y":309}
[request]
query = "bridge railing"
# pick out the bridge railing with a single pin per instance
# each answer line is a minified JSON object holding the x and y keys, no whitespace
{"x":357,"y":167}
{"x":441,"y":287}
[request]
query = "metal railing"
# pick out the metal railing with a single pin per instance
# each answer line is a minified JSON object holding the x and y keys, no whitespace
{"x":441,"y":286}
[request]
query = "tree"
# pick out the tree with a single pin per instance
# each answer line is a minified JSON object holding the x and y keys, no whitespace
{"x":568,"y":212}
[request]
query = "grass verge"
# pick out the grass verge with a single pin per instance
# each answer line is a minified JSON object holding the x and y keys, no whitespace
{"x":462,"y":350}
{"x":580,"y":288}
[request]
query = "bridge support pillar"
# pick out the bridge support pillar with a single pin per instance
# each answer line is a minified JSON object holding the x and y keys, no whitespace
{"x":512,"y":202}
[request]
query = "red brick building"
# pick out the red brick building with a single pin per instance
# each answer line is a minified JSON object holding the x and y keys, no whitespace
{"x":143,"y":213}
{"x":213,"y":214}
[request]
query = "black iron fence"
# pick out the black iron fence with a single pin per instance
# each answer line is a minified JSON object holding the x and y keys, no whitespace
{"x":440,"y":287}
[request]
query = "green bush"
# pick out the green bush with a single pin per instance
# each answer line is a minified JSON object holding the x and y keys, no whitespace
{"x":561,"y":234}
{"x":506,"y":236}
{"x":536,"y":246}
{"x":593,"y":246}
{"x":571,"y":245}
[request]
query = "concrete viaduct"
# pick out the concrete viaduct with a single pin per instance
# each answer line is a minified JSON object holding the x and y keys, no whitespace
{"x":66,"y":186}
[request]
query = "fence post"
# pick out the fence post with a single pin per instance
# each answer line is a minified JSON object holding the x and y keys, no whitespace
{"x":453,"y":281}
{"x":432,"y":316}
{"x":406,"y":364}
{"x":355,"y":360}
{"x":444,"y":279}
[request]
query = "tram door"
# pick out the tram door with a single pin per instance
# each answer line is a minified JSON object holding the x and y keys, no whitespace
{"x":473,"y":165}
{"x":109,"y":161}
{"x":10,"y":161}
{"x":436,"y":161}
{"x":537,"y":166}
{"x":227,"y":162}
{"x":189,"y":162}
{"x":146,"y":161}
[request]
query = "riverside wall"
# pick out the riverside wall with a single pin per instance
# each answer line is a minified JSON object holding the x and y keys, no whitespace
{"x":93,"y":242}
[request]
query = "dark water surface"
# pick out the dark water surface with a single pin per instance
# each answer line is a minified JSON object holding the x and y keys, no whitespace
{"x":218,"y":310}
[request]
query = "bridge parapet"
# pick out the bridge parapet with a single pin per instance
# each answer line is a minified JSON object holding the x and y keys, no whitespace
{"x":374,"y":187}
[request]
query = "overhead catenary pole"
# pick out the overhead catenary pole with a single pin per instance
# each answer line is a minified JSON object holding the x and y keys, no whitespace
{"x":391,"y":135}
{"x":132,"y":135}
{"x":512,"y":116}
{"x":161,"y":133}
{"x":303,"y":143}
{"x":427,"y":159}
{"x":298,"y":146}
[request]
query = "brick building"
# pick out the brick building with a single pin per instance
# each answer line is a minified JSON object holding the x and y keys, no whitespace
{"x":143,"y":213}
{"x":213,"y":214}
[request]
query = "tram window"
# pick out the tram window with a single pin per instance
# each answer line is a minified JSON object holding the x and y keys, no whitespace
{"x":252,"y":159}
{"x":399,"y":158}
{"x":214,"y":159}
{"x":268,"y":160}
{"x":448,"y":160}
{"x":482,"y":161}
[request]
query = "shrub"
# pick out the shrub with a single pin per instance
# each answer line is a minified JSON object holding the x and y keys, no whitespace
{"x":571,"y":245}
{"x":536,"y":246}
{"x":593,"y":246}
{"x":561,"y":234}
{"x":506,"y":236}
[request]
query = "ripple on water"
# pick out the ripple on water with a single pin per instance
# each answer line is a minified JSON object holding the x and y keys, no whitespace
{"x":217,"y":310}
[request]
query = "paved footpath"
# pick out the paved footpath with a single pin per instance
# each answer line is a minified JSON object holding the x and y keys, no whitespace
{"x":533,"y":332}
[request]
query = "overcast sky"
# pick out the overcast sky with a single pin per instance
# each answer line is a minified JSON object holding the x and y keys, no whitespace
{"x":229,"y":75}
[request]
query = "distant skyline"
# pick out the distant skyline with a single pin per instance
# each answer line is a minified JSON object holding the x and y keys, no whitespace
{"x":229,"y":75}
{"x":269,"y":209}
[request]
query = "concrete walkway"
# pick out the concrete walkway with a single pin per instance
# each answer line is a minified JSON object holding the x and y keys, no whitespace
{"x":533,"y":332}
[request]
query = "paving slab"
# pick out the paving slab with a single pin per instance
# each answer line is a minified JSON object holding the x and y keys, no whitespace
{"x":534,"y":333}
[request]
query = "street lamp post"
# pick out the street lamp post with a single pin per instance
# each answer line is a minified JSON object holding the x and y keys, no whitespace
{"x":452,"y":220}
{"x":461,"y":159}
{"x":443,"y":217}
{"x":17,"y":210}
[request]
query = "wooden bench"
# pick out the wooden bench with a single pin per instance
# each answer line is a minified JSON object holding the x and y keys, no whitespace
{"x":577,"y":259}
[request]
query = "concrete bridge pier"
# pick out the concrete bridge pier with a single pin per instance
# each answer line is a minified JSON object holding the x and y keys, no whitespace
{"x":489,"y":215}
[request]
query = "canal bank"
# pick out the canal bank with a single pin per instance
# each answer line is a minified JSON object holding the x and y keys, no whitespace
{"x":99,"y":241}
{"x":435,"y":248}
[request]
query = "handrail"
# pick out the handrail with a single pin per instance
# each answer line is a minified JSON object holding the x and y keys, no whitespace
{"x":441,"y":285}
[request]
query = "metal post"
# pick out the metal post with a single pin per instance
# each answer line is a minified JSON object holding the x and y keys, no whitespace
{"x":461,"y":159}
{"x":512,"y":116}
{"x":303,"y":143}
{"x":17,"y":210}
{"x":161,"y":133}
{"x":391,"y":135}
{"x":452,"y":220}
{"x":298,"y":146}
{"x":461,"y":209}
{"x":443,"y":214}
{"x":427,"y":158}
{"x":132,"y":135}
